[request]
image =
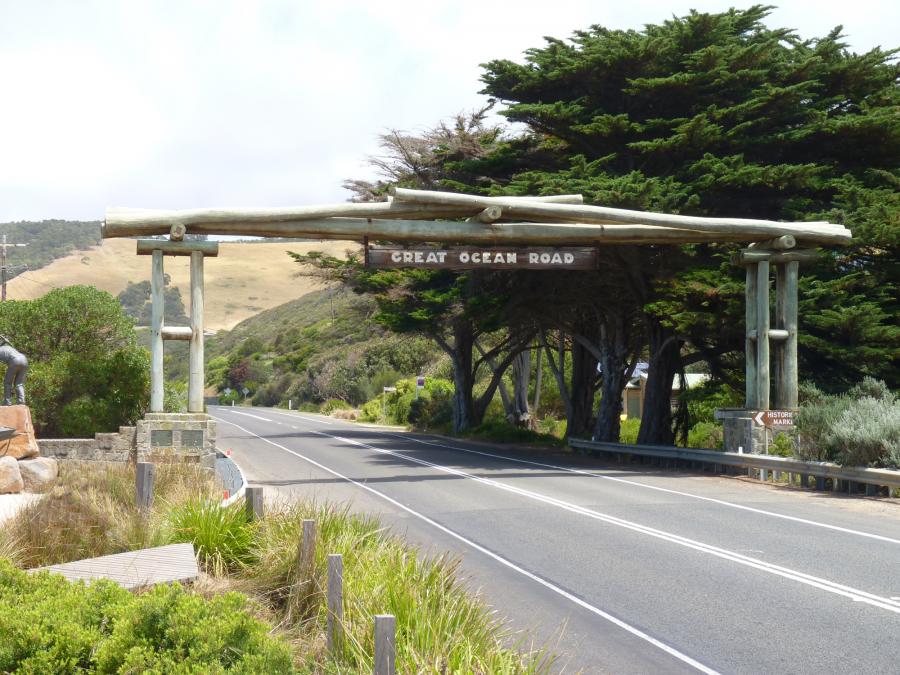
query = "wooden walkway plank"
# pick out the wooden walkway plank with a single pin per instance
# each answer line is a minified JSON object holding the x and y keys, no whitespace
{"x":135,"y":569}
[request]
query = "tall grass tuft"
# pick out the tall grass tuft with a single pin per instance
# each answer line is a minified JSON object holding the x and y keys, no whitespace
{"x":221,"y":535}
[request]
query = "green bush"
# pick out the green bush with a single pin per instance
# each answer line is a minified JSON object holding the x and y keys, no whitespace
{"x":628,"y":432}
{"x":222,"y":536}
{"x":63,"y":627}
{"x":333,"y":404}
{"x":87,"y":372}
{"x":708,"y":435}
{"x":859,"y":428}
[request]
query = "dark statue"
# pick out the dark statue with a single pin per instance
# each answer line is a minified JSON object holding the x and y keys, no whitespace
{"x":16,"y":371}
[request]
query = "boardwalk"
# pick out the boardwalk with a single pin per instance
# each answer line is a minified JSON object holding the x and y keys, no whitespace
{"x":135,"y":569}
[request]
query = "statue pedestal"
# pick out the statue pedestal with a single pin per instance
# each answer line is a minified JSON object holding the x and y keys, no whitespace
{"x":23,"y":444}
{"x":176,"y":436}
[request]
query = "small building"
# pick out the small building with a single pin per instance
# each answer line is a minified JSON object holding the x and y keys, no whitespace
{"x":633,"y":396}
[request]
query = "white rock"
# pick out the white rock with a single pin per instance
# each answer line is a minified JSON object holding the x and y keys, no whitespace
{"x":38,"y":473}
{"x":10,"y":476}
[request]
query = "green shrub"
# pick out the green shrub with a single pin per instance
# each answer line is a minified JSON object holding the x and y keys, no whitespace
{"x":62,"y":627}
{"x":859,"y":428}
{"x":221,"y":535}
{"x":708,"y":435}
{"x":333,"y":404}
{"x":628,"y":432}
{"x":782,"y":445}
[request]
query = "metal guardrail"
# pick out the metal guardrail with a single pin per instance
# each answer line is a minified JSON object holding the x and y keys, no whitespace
{"x":843,"y":478}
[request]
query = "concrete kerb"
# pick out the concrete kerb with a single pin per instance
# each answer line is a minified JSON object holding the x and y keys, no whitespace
{"x":239,"y":494}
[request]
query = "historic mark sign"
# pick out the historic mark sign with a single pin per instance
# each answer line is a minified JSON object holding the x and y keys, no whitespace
{"x":775,"y":418}
{"x":473,"y":258}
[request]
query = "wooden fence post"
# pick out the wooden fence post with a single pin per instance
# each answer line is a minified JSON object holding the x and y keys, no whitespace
{"x":385,"y":644}
{"x":144,"y":475}
{"x":307,"y":559}
{"x":335,"y":602}
{"x":253,"y":503}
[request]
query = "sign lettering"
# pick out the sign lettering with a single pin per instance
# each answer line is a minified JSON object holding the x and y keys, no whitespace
{"x":775,"y":418}
{"x":469,"y":258}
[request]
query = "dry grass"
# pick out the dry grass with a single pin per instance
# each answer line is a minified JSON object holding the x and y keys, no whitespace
{"x":90,"y":512}
{"x":243,"y":280}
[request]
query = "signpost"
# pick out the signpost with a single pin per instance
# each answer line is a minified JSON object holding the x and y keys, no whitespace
{"x":475,"y":258}
{"x":387,"y":390}
{"x":775,"y":419}
{"x":420,"y":384}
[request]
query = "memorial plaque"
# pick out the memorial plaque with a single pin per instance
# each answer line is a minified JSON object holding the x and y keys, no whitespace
{"x":192,"y":438}
{"x":160,"y":438}
{"x":476,"y":258}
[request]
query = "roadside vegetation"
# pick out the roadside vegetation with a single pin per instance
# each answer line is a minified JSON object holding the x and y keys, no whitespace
{"x":252,"y":589}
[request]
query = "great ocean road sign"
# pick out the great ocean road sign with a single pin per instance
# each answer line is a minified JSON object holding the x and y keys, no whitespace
{"x":474,"y":258}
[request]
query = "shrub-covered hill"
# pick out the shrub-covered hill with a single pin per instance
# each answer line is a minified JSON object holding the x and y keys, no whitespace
{"x":321,"y":346}
{"x":47,"y":240}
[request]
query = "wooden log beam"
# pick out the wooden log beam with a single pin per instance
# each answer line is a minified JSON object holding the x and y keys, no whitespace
{"x":148,"y":246}
{"x":778,"y":243}
{"x":461,"y":232}
{"x":490,"y":214}
{"x":177,"y":333}
{"x":821,"y":232}
{"x":753,"y":255}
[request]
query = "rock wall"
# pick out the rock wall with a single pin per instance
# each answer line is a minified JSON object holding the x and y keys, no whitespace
{"x":104,"y":447}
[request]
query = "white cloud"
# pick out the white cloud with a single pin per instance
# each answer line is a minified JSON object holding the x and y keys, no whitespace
{"x":175,"y":104}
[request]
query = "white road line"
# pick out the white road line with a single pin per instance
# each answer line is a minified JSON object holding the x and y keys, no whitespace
{"x":594,"y":474}
{"x":302,"y":417}
{"x":256,"y":417}
{"x":855,"y":594}
{"x":672,"y":651}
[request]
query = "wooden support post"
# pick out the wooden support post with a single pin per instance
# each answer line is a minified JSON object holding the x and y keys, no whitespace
{"x":144,"y":474}
{"x":385,"y":644}
{"x":749,"y":342}
{"x":790,"y":397}
{"x":253,"y":502}
{"x":195,"y":378}
{"x":762,"y":335}
{"x":157,"y":316}
{"x":335,"y":598}
{"x":306,"y":556}
{"x":778,"y":345}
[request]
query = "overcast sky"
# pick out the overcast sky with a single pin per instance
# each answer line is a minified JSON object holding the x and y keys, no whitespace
{"x":184,"y":104}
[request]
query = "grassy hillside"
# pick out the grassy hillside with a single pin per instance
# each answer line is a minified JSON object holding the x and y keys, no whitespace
{"x":321,"y":346}
{"x":47,"y":240}
{"x":245,"y":279}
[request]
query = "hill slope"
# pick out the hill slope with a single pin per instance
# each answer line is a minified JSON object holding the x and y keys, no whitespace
{"x":245,"y":279}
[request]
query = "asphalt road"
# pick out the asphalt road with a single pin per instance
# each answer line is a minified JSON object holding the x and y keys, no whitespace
{"x":619,"y":570}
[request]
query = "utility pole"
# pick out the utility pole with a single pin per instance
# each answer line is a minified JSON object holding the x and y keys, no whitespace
{"x":4,"y":267}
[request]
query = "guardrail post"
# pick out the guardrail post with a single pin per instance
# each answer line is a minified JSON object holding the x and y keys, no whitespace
{"x":335,"y":602}
{"x":804,"y":480}
{"x":852,"y":487}
{"x":253,"y":503}
{"x":144,"y":475}
{"x":385,"y":643}
{"x":820,"y":482}
{"x":871,"y":490}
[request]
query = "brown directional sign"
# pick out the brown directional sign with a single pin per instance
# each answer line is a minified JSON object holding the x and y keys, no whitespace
{"x":476,"y":258}
{"x":775,"y":418}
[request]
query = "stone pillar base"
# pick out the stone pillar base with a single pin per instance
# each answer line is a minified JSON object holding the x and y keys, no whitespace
{"x":165,"y":437}
{"x":741,"y":433}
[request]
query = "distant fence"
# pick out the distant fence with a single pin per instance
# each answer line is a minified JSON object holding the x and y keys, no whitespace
{"x":841,"y":478}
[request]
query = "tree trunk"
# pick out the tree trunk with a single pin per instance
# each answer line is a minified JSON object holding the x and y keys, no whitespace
{"x":613,"y":364}
{"x":463,"y":378}
{"x":521,"y":377}
{"x":537,"y":384}
{"x":581,"y":391}
{"x":665,"y":363}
